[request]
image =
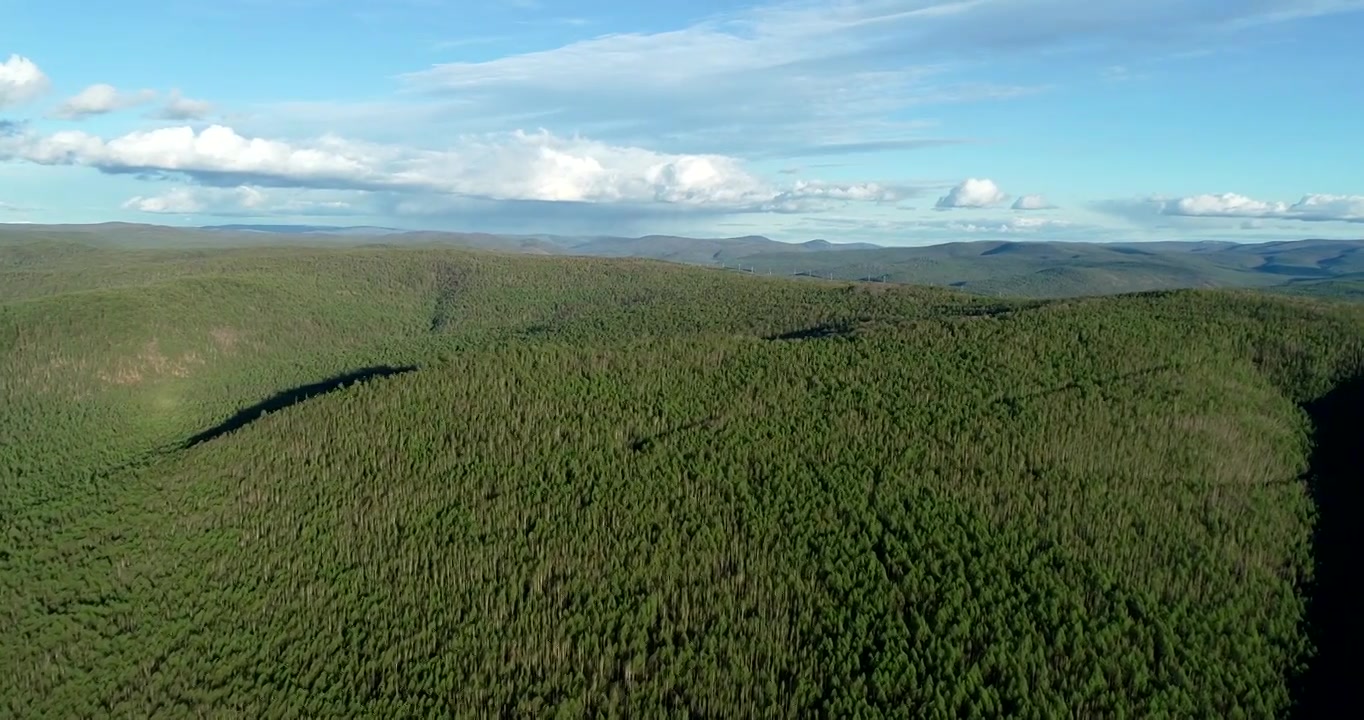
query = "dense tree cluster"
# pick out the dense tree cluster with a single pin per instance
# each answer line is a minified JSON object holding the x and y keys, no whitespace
{"x":623,"y":487}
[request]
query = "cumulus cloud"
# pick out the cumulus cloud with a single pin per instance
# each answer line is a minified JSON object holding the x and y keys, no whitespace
{"x":179,"y":107}
{"x":21,"y":81}
{"x":216,"y":154}
{"x":868,"y":192}
{"x":972,"y":193}
{"x":1214,"y":210}
{"x":1325,"y":208}
{"x":1223,"y":205}
{"x":1032,"y":202}
{"x":516,"y":166}
{"x":1310,"y":208}
{"x":100,"y":99}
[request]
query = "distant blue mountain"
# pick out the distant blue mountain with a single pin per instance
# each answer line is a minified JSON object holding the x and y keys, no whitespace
{"x":307,"y":229}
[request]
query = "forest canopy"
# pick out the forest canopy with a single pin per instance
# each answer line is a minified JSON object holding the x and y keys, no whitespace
{"x":403,"y":482}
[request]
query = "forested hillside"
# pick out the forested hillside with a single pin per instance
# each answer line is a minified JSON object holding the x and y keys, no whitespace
{"x":404,"y":482}
{"x":1034,"y":269}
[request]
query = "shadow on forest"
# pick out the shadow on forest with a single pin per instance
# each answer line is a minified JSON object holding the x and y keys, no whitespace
{"x":293,"y":396}
{"x":647,"y":442}
{"x":1328,"y":686}
{"x":1076,"y":384}
{"x":854,"y":326}
{"x":815,"y":333}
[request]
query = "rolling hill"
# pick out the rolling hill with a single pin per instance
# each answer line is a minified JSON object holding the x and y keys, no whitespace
{"x":1052,"y":269}
{"x":993,"y":268}
{"x":419,"y":481}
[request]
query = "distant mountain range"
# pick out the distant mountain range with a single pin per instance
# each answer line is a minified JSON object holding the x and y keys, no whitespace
{"x":365,"y":230}
{"x":658,"y":247}
{"x":1033,"y":269}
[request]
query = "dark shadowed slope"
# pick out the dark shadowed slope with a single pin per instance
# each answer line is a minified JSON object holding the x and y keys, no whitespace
{"x":1336,"y":594}
{"x":293,"y":396}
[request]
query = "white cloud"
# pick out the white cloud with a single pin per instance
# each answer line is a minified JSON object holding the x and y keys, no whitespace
{"x":1285,"y":10}
{"x":250,"y":201}
{"x":1310,"y":208}
{"x":100,"y":99}
{"x":179,"y":107}
{"x":1032,"y":202}
{"x":1037,"y":223}
{"x":515,"y":166}
{"x":1012,"y":225}
{"x":815,"y":196}
{"x":1223,"y":205}
{"x":20,"y":81}
{"x":1347,"y":208}
{"x":217,"y":151}
{"x":973,"y":193}
{"x":798,"y":78}
{"x":177,"y":201}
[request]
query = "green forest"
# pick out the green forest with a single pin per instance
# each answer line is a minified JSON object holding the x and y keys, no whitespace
{"x":432,"y":482}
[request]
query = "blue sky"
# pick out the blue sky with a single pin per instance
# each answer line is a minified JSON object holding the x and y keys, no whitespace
{"x":891,"y":121}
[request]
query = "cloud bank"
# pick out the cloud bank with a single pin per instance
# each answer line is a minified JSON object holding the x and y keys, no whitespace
{"x":249,"y":201}
{"x":1310,"y":208}
{"x":516,"y":166}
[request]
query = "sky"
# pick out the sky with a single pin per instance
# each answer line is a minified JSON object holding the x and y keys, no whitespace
{"x":900,"y":122}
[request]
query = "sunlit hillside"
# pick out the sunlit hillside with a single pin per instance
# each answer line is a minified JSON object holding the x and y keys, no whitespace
{"x":403,"y":482}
